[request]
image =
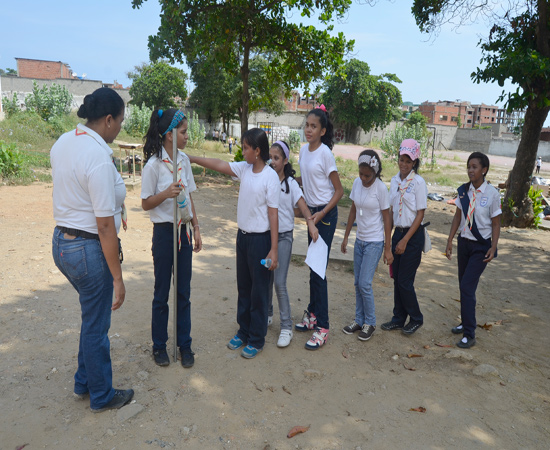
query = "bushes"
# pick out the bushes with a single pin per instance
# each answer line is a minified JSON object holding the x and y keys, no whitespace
{"x":294,"y":140}
{"x":196,"y":131}
{"x":10,"y":159}
{"x":136,"y":122}
{"x":390,"y":145}
{"x":49,"y":102}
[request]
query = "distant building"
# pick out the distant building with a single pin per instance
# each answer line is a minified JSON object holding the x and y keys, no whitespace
{"x":298,"y":102}
{"x":42,"y":70}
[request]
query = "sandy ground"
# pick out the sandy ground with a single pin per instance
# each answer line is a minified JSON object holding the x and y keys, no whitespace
{"x":351,"y":394}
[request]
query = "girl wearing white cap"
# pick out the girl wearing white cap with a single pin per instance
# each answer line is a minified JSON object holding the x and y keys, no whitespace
{"x":408,"y":200}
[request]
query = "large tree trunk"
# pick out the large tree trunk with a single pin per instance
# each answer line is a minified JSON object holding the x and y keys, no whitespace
{"x":245,"y":72}
{"x":517,"y":209}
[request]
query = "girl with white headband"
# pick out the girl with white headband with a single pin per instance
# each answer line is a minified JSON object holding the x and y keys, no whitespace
{"x":290,"y":197}
{"x":370,"y":207}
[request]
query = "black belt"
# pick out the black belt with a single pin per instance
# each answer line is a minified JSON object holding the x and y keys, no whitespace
{"x":315,"y":209}
{"x":164,"y":224}
{"x":403,"y":230}
{"x":254,"y":234}
{"x":78,"y":233}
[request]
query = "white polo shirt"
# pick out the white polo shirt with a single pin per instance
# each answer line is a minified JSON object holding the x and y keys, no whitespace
{"x":157,"y":177}
{"x":315,"y":169}
{"x":487,"y":207}
{"x":86,"y":183}
{"x":287,"y":203}
{"x":369,"y":203}
{"x":258,"y":191}
{"x":415,"y":199}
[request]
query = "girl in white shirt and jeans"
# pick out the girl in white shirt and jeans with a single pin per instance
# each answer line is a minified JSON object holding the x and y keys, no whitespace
{"x":371,"y":208}
{"x":257,"y":238}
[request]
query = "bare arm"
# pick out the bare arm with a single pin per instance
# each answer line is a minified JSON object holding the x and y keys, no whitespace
{"x":153,"y":201}
{"x":273,"y":215}
{"x":388,"y":255}
{"x":313,"y":231}
{"x":495,"y":235}
{"x":196,"y":228}
{"x":338,"y":193}
{"x":454,"y":228}
{"x":351,"y":218}
{"x":216,"y":164}
{"x":109,"y":244}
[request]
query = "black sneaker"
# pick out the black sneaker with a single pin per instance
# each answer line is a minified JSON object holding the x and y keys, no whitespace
{"x":161,"y":357}
{"x":121,"y":398}
{"x":466,"y":342}
{"x":366,"y":333}
{"x":411,"y":327}
{"x":187,"y":357}
{"x":390,"y":326}
{"x":458,"y":329}
{"x":352,"y":328}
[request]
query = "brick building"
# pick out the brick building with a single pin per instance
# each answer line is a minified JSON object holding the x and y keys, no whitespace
{"x":42,"y":70}
{"x":448,"y":113}
{"x":297,"y":102}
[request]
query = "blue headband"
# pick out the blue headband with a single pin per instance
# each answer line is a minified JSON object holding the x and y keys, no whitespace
{"x":178,"y":117}
{"x":159,"y":112}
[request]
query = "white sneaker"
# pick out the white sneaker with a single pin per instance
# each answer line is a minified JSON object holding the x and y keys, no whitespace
{"x":269,"y":320}
{"x":284,"y":338}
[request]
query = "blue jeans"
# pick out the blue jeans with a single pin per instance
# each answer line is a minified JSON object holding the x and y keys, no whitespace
{"x":470,"y":256}
{"x":253,"y":285}
{"x":318,"y":290}
{"x":279,"y":279}
{"x":404,"y":271}
{"x":83,"y":264}
{"x":163,"y":262}
{"x":366,"y":256}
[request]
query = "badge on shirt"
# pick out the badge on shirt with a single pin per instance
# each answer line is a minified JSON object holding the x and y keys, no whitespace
{"x":484,"y":201}
{"x":409,"y":189}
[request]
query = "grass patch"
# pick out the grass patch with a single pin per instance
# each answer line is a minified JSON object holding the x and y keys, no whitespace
{"x":298,"y":260}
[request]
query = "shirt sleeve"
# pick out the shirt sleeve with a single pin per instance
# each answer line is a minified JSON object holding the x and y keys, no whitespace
{"x":191,"y":186}
{"x":383,"y":196}
{"x":101,"y":187}
{"x":421,"y":193}
{"x":149,"y":180}
{"x":495,"y":205}
{"x":329,"y":162}
{"x":273,"y":187}
{"x":238,"y":168}
{"x":353,"y":193}
{"x":295,"y":192}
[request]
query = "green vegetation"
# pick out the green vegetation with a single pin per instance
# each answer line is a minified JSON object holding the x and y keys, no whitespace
{"x":136,"y":122}
{"x":196,"y":131}
{"x":49,"y":102}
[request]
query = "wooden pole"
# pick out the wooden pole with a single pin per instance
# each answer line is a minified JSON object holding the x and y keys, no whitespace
{"x":175,"y":267}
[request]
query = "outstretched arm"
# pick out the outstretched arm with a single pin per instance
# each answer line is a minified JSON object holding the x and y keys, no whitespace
{"x":216,"y":164}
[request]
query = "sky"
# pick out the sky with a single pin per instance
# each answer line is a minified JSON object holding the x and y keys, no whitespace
{"x":105,"y":39}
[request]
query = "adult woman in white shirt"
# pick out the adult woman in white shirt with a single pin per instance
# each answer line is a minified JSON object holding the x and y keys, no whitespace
{"x":88,"y":196}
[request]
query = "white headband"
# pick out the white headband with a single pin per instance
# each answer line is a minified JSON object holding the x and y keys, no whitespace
{"x":369,"y":161}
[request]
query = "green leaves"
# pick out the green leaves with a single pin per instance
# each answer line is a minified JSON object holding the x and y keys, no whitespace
{"x":49,"y":102}
{"x":158,"y":85}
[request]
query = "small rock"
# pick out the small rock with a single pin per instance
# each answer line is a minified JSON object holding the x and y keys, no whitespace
{"x":110,"y":432}
{"x":395,"y":357}
{"x":194,"y":428}
{"x":312,"y":373}
{"x":36,"y":258}
{"x":485,"y":369}
{"x":459,"y":354}
{"x":186,"y":431}
{"x":142,"y":375}
{"x":129,"y":411}
{"x":170,"y":397}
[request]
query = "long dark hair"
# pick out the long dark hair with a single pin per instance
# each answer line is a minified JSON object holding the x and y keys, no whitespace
{"x":101,"y":103}
{"x":158,"y":125}
{"x":288,"y":171}
{"x":328,"y":137}
{"x":372,"y":154}
{"x":256,"y":138}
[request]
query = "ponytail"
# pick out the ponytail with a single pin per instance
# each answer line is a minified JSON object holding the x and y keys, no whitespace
{"x":159,"y":125}
{"x":324,"y":119}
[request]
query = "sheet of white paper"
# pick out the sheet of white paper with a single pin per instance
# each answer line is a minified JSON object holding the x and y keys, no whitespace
{"x":316,"y":257}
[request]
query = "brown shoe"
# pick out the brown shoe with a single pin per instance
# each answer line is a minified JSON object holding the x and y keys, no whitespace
{"x":352,"y":328}
{"x":366,"y":333}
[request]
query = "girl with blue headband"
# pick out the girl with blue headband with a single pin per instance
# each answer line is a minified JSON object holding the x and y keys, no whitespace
{"x":157,"y":191}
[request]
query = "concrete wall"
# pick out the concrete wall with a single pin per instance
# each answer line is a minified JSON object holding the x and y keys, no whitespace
{"x":509,"y":147}
{"x":473,"y":140}
{"x":78,"y":88}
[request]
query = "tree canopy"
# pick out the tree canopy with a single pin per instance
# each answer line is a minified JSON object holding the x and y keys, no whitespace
{"x":516,"y":49}
{"x":233,"y":30}
{"x":158,"y":85}
{"x":359,"y":99}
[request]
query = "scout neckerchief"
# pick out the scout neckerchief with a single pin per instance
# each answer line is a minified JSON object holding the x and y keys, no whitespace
{"x":180,"y":217}
{"x":403,"y":189}
{"x":123,"y":212}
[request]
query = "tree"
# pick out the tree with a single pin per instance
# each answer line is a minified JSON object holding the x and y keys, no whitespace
{"x":158,"y":85}
{"x":518,"y":49}
{"x":359,"y":99}
{"x":231,"y":31}
{"x":417,"y":117}
{"x":218,"y":93}
{"x":8,"y":72}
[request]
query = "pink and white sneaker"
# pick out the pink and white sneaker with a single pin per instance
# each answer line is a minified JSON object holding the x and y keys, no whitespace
{"x":309,"y":322}
{"x":319,"y":338}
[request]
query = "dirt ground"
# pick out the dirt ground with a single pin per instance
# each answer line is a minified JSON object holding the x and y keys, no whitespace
{"x":353,"y":395}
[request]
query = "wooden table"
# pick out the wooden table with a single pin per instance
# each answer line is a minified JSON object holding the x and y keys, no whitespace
{"x":130,"y":151}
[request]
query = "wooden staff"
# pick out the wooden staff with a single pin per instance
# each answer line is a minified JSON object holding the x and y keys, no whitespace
{"x":175,"y":268}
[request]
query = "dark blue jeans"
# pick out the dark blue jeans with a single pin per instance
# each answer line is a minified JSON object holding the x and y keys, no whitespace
{"x":470,"y":267}
{"x":405,"y":303}
{"x":318,"y":289}
{"x":83,"y":264}
{"x":163,"y":262}
{"x":253,"y":281}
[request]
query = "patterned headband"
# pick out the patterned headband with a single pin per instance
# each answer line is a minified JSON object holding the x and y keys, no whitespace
{"x":284,"y":147}
{"x":178,"y":117}
{"x":370,"y":161}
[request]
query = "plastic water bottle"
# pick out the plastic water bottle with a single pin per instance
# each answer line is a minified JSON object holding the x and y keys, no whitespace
{"x":266,"y":263}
